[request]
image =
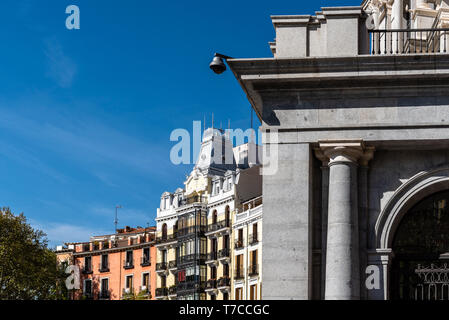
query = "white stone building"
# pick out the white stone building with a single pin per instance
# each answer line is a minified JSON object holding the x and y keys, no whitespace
{"x":358,"y":100}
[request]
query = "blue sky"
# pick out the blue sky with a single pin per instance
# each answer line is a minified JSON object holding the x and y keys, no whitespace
{"x":86,"y":115}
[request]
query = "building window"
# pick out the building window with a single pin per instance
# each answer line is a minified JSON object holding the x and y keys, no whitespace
{"x":87,"y":264}
{"x":145,"y":282}
{"x":145,"y":257}
{"x":129,"y":262}
{"x":164,"y":231}
{"x":129,"y":286}
{"x":87,"y":288}
{"x":104,"y":263}
{"x":253,"y":292}
{"x":239,"y":294}
{"x":104,"y":290}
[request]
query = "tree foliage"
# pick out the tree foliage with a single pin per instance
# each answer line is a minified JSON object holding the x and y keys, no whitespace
{"x":28,"y":269}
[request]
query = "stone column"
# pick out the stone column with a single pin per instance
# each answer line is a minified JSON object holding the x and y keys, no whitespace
{"x":396,"y":23}
{"x":342,"y":256}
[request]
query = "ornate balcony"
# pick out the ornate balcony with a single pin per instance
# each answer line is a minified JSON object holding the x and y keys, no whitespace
{"x":212,"y":258}
{"x":224,"y":283}
{"x":166,"y":239}
{"x":161,"y":267}
{"x":218,"y":228}
{"x":224,"y":255}
{"x":172,"y":291}
{"x":211,"y":285}
{"x":172,"y":265}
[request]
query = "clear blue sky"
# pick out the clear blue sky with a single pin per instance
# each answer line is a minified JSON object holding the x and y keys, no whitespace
{"x":86,"y":115}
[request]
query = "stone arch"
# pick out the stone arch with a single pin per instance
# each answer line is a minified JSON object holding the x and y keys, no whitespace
{"x":404,"y":198}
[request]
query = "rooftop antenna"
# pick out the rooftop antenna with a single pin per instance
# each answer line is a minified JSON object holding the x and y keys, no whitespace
{"x":116,"y":220}
{"x":212,"y":120}
{"x":204,"y":123}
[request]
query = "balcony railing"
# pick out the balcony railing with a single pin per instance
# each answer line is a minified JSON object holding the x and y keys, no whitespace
{"x":224,"y":253}
{"x":103,"y":267}
{"x":238,"y":244}
{"x":239,"y":274}
{"x":192,"y":257}
{"x":409,"y":41}
{"x":161,"y":292}
{"x":191,"y":200}
{"x":218,"y":225}
{"x":161,"y":266}
{"x":145,"y":261}
{"x":191,"y":285}
{"x":211,"y":284}
{"x":253,"y":270}
{"x":200,"y":229}
{"x":128,"y":264}
{"x":172,"y":264}
{"x":172,"y":290}
{"x":224,"y":282}
{"x":104,"y":295}
{"x":212,"y":256}
{"x":253,"y":239}
{"x":166,"y":238}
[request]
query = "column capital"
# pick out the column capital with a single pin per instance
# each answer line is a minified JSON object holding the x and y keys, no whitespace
{"x":337,"y":151}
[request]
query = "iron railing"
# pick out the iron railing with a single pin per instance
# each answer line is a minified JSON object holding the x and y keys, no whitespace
{"x":433,"y":282}
{"x":224,"y":253}
{"x":103,"y":267}
{"x":218,"y":225}
{"x":128,"y":264}
{"x":409,"y":41}
{"x":253,"y":270}
{"x":161,"y":266}
{"x":161,"y":292}
{"x":145,"y":261}
{"x":224,"y":282}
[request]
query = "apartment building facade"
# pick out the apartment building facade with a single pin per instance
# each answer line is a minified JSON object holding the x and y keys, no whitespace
{"x":115,"y":267}
{"x":194,"y":224}
{"x":354,"y":104}
{"x":247,"y":253}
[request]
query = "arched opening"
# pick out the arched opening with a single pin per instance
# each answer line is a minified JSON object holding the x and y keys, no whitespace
{"x":214,"y":217}
{"x":419,"y":269}
{"x":164,"y":231}
{"x":227,"y":216}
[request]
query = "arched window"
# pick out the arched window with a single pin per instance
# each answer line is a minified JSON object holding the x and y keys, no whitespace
{"x":420,"y":246}
{"x":227,"y":215}
{"x":164,"y":231}
{"x":214,"y":217}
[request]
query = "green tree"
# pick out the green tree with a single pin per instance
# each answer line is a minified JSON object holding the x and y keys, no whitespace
{"x":28,"y":268}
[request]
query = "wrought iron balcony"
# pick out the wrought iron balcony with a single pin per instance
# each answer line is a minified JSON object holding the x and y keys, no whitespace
{"x":145,"y":261}
{"x":103,"y":267}
{"x":190,"y":286}
{"x":253,"y":270}
{"x":211,"y":284}
{"x":218,"y":226}
{"x":128,"y":264}
{"x":211,"y":256}
{"x":409,"y":41}
{"x":167,"y":238}
{"x":161,"y":266}
{"x":172,"y":291}
{"x":172,"y":264}
{"x":161,"y":292}
{"x":224,"y":253}
{"x":224,"y":282}
{"x":199,"y":229}
{"x":201,"y":257}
